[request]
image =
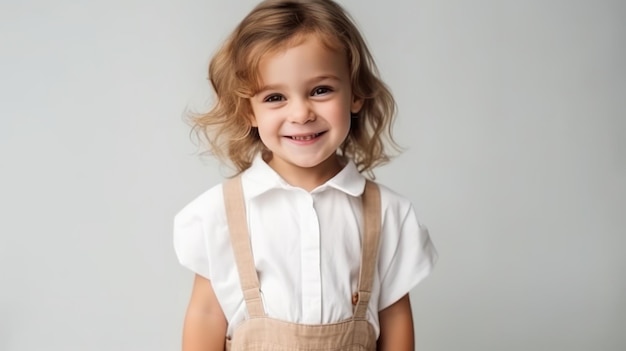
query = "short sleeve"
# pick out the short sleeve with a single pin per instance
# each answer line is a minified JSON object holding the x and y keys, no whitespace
{"x":190,"y":242}
{"x":407,"y":258}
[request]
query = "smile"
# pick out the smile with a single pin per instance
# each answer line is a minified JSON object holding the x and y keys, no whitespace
{"x":305,"y":137}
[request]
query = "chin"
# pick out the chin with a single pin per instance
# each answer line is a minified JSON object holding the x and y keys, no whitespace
{"x":317,"y":162}
{"x":307,"y":164}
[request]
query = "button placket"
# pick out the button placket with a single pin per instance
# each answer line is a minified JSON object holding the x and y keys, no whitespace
{"x":310,"y":262}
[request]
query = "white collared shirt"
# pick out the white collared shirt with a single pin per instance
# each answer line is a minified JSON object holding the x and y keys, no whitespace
{"x":306,"y":247}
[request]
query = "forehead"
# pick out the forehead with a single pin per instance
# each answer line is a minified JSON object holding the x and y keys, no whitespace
{"x":261,"y":50}
{"x":304,"y":57}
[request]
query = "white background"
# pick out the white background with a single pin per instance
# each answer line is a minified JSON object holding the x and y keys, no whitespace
{"x":513,"y":118}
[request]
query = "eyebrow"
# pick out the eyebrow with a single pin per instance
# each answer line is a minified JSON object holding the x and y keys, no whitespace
{"x":311,"y":81}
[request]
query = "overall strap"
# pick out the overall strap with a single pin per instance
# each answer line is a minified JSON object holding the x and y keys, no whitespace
{"x":369,"y":250}
{"x":240,"y":241}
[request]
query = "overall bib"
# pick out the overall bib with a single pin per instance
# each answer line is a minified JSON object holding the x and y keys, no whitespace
{"x":262,"y":333}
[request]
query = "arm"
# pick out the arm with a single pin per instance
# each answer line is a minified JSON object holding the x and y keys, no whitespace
{"x":396,"y":327}
{"x":205,"y":323}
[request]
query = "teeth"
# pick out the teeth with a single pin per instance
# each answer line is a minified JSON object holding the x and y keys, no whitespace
{"x":304,"y":138}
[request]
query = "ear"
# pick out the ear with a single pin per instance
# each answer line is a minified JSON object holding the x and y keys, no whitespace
{"x":356,"y":105}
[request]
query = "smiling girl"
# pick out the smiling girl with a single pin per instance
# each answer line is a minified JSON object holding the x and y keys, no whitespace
{"x":299,"y":250}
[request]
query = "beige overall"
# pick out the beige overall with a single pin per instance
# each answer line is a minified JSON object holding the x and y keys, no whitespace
{"x":262,"y":333}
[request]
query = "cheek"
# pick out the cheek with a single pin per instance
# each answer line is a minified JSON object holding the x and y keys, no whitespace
{"x":266,"y":122}
{"x":339,"y":113}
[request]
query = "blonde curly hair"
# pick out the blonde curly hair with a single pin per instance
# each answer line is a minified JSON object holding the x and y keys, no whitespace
{"x":274,"y":25}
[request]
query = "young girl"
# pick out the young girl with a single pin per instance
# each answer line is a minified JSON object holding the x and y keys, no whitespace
{"x":299,"y":251}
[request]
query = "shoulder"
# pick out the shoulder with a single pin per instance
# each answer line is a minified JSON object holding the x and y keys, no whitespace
{"x":206,"y":207}
{"x":400,"y":223}
{"x":393,"y":204}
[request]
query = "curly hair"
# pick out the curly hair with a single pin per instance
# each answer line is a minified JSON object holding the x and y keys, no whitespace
{"x":274,"y":25}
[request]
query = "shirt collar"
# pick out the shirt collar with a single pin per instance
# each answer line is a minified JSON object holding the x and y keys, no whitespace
{"x":260,"y":178}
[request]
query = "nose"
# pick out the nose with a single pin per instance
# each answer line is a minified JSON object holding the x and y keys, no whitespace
{"x":301,"y":112}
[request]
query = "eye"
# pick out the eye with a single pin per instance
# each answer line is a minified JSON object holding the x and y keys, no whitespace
{"x":274,"y":98}
{"x":321,"y":91}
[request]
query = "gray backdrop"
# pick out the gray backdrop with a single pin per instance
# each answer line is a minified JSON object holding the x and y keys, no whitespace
{"x":513,"y":118}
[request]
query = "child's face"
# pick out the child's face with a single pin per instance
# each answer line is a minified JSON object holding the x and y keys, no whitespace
{"x":303,"y":108}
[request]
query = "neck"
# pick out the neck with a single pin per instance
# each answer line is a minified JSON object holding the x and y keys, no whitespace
{"x":307,"y":178}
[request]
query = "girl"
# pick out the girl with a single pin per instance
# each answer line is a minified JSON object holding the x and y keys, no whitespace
{"x":299,"y":251}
